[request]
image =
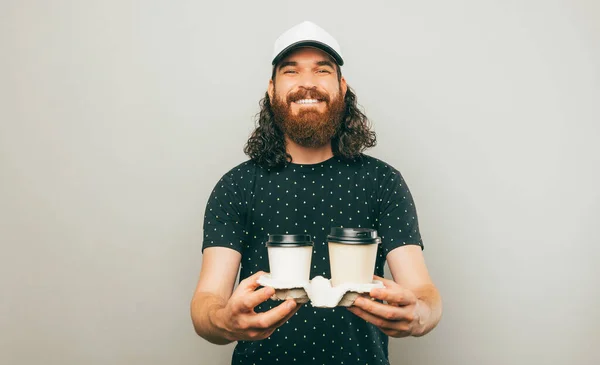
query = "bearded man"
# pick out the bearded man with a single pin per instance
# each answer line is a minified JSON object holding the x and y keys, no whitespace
{"x":307,"y":173}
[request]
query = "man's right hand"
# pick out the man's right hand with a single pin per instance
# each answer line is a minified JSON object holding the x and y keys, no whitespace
{"x":238,"y":318}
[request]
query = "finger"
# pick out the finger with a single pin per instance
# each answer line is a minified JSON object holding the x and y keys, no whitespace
{"x":280,"y":323}
{"x":386,"y":282}
{"x":397,"y":295}
{"x":390,"y":328}
{"x":383,"y":324}
{"x":271,"y":317}
{"x":266,"y":333}
{"x":393,"y":292}
{"x":384,"y":311}
{"x":248,"y":301}
{"x":396,"y":333}
{"x":249,"y":283}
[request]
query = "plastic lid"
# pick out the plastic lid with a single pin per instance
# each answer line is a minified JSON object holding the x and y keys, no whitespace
{"x":356,"y":236}
{"x":289,"y":240}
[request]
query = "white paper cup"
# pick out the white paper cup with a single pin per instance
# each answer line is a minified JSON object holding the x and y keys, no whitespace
{"x":290,"y":257}
{"x":352,"y":255}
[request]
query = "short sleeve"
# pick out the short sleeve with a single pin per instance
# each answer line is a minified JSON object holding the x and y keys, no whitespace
{"x":398,"y":221}
{"x":224,"y":219}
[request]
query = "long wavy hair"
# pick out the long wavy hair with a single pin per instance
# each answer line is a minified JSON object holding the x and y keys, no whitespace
{"x":266,"y":145}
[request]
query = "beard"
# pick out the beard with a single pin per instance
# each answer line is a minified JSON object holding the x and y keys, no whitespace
{"x":309,"y":128}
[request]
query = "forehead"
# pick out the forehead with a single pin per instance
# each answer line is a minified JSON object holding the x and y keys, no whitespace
{"x":307,"y":55}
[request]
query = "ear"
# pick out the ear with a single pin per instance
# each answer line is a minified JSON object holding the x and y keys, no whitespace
{"x":343,"y":86}
{"x":270,"y":89}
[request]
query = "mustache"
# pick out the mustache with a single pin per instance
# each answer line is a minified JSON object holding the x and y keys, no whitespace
{"x":304,"y":93}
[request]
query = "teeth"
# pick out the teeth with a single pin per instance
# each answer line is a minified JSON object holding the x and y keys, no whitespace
{"x":307,"y":101}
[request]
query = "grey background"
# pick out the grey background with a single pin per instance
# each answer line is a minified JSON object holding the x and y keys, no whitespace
{"x":118,"y":117}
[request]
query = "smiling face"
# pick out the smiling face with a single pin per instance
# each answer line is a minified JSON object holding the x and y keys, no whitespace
{"x":307,"y":96}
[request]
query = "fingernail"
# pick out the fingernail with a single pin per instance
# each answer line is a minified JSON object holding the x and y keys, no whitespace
{"x":291,"y":304}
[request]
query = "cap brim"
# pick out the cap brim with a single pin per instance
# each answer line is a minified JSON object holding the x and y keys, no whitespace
{"x":322,"y":46}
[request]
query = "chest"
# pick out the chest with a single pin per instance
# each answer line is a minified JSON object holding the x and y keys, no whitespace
{"x":312,"y":203}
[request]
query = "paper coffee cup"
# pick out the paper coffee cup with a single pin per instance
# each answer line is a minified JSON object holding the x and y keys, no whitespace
{"x":352,"y":255}
{"x":290,"y":257}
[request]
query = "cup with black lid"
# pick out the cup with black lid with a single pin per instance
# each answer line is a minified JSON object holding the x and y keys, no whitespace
{"x":290,"y":257}
{"x":352,"y":255}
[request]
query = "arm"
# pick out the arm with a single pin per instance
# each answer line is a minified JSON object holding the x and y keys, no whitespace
{"x":221,"y":315}
{"x":217,"y":278}
{"x":413,"y":305}
{"x":409,"y":271}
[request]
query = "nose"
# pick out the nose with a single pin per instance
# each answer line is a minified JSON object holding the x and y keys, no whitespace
{"x":307,"y":80}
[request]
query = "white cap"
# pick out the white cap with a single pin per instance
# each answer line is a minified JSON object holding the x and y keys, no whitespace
{"x":306,"y":34}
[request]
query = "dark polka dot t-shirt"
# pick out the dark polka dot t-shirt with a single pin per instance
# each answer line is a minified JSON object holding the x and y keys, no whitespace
{"x":251,"y":202}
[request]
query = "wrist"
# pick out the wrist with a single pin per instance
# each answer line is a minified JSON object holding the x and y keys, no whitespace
{"x":218,"y":320}
{"x":422,"y":318}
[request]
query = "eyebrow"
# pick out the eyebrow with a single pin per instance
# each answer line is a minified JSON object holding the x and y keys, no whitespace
{"x":287,"y":63}
{"x":326,"y":63}
{"x":294,"y":63}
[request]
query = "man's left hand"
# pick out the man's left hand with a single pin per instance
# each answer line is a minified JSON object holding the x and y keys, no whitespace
{"x":397,"y":317}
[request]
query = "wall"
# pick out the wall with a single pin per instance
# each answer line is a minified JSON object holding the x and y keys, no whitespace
{"x":118,"y":117}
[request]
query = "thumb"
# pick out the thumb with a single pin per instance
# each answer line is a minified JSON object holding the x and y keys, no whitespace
{"x":250,"y":283}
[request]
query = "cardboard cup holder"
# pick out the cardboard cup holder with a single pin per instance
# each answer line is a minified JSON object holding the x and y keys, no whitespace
{"x":318,"y":291}
{"x":352,"y":254}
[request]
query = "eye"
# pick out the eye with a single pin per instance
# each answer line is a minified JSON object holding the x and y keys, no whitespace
{"x":323,"y":71}
{"x":289,"y":71}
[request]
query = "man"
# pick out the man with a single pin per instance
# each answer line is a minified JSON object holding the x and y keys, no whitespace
{"x":306,"y":174}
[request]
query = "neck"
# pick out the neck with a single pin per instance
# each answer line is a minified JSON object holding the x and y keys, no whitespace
{"x":308,"y":155}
